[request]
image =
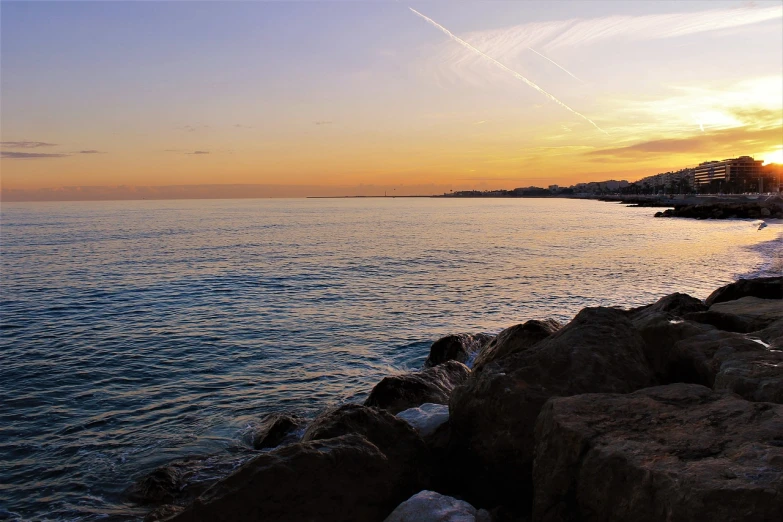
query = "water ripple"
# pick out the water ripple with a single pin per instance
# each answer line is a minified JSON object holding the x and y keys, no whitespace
{"x":133,"y":333}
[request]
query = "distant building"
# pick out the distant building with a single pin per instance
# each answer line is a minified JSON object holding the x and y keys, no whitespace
{"x":730,"y":175}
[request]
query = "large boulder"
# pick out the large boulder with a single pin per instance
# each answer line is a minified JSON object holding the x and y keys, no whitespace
{"x":493,"y":414}
{"x":772,"y":335}
{"x":426,"y":418}
{"x":761,"y":287}
{"x":698,"y":359}
{"x":757,"y":313}
{"x":661,"y":331}
{"x":676,"y":304}
{"x":677,"y":453}
{"x":755,"y":376}
{"x":429,"y":506}
{"x":515,"y":339}
{"x":394,"y":437}
{"x":275,"y":429}
{"x":344,"y":478}
{"x":409,"y":390}
{"x":458,"y":347}
{"x":731,"y":362}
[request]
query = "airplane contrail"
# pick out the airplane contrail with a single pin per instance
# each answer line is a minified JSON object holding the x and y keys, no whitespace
{"x":569,"y":73}
{"x":505,"y":68}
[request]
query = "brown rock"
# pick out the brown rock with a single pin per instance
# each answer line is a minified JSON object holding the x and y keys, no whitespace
{"x":755,"y":376}
{"x":731,"y":362}
{"x":698,"y":359}
{"x":761,"y":287}
{"x":275,"y":429}
{"x":409,"y":390}
{"x":771,"y":335}
{"x":458,"y":347}
{"x":339,"y":479}
{"x":493,"y":414}
{"x":661,"y":331}
{"x":676,"y":304}
{"x":515,"y":339}
{"x":182,"y":479}
{"x":397,"y":439}
{"x":677,"y":453}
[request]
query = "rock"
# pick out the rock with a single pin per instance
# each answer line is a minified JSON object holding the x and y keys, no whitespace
{"x":765,"y":212}
{"x":721,"y":321}
{"x":660,"y":325}
{"x":409,"y":390}
{"x":730,"y":362}
{"x":163,"y":513}
{"x":397,"y":439}
{"x":515,"y":339}
{"x":344,"y":478}
{"x":429,"y":506}
{"x":761,"y":287}
{"x":676,"y":304}
{"x":771,"y":335}
{"x":426,"y":418}
{"x":698,"y":359}
{"x":758,"y":313}
{"x":677,"y":453}
{"x":493,"y":414}
{"x":275,"y":429}
{"x":183,"y":479}
{"x":160,"y":486}
{"x":755,"y":376}
{"x":459,"y":347}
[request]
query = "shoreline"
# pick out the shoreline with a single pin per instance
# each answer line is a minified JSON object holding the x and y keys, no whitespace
{"x":448,"y":433}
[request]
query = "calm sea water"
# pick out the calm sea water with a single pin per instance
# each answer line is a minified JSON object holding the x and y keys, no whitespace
{"x":137,"y":332}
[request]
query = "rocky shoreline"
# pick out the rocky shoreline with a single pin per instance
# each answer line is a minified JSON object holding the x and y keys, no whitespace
{"x":670,"y":411}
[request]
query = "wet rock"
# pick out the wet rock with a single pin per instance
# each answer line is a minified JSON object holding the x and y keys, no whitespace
{"x":458,"y":347}
{"x":493,"y":414}
{"x":409,"y":390}
{"x":515,"y":339}
{"x":678,"y":453}
{"x":429,"y":506}
{"x":761,"y":287}
{"x":275,"y":429}
{"x":426,"y":418}
{"x":183,"y":479}
{"x":344,"y":478}
{"x":163,"y":513}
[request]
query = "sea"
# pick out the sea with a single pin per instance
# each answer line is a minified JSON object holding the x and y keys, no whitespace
{"x":134,"y":333}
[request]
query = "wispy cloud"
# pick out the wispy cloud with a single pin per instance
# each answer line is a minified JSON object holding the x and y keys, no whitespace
{"x":240,"y":126}
{"x":498,"y":64}
{"x":324,"y":122}
{"x":91,"y":151}
{"x":26,"y":144}
{"x":718,"y":143}
{"x":507,"y":43}
{"x":198,"y":152}
{"x":30,"y":155}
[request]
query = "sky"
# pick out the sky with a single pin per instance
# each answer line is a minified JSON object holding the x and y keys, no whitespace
{"x":230,"y":99}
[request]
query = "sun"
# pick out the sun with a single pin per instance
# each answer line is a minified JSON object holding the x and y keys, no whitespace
{"x":775,"y":156}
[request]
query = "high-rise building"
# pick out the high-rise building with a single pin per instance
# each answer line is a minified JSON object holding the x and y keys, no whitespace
{"x":730,"y":175}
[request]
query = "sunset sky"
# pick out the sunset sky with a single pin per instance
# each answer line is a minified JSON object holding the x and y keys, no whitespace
{"x":315,"y":98}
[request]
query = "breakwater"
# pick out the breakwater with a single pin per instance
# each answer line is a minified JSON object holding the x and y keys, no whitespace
{"x":671,"y":410}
